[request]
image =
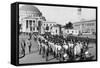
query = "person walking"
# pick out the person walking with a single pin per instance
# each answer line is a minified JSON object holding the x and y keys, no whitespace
{"x":27,"y":48}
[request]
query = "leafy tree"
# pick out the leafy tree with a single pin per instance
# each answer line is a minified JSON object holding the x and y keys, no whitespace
{"x":69,"y":25}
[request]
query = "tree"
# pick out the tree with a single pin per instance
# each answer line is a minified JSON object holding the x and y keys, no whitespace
{"x":47,"y":28}
{"x":69,"y":25}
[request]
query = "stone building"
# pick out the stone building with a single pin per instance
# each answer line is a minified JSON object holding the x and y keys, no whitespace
{"x":56,"y":30}
{"x":47,"y":26}
{"x":88,"y":26}
{"x":30,"y":19}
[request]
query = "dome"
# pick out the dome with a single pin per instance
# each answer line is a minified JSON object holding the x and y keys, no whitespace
{"x":29,"y":8}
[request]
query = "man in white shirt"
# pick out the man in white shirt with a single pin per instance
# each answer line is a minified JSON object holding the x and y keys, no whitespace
{"x":66,"y":47}
{"x":71,"y":49}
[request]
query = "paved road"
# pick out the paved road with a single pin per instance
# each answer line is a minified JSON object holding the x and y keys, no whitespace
{"x":35,"y":58}
{"x":92,"y":49}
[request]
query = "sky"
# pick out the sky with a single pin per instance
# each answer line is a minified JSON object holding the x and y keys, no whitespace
{"x":63,"y":15}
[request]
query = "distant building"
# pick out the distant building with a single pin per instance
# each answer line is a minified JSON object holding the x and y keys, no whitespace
{"x":47,"y":26}
{"x":66,"y":32}
{"x":55,"y":30}
{"x":85,"y":26}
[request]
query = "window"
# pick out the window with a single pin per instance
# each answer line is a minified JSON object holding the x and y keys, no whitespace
{"x":82,"y":24}
{"x":33,"y":21}
{"x":33,"y":28}
{"x":39,"y":23}
{"x":26,"y":23}
{"x":77,"y":25}
{"x":30,"y":21}
{"x":92,"y":24}
{"x":37,"y":28}
{"x":56,"y":31}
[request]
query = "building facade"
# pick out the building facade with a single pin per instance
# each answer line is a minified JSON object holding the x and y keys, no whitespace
{"x":86,"y":26}
{"x":47,"y":26}
{"x":30,"y":19}
{"x":66,"y":32}
{"x":55,"y":30}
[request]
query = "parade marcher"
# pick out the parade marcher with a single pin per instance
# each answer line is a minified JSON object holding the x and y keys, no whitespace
{"x":84,"y":50}
{"x":43,"y":48}
{"x":65,"y":57}
{"x":30,"y":47}
{"x":77,"y":50}
{"x":59,"y":51}
{"x":52,"y":47}
{"x":47,"y":50}
{"x":22,"y":48}
{"x":71,"y":49}
{"x":27,"y":43}
{"x":39,"y":45}
{"x":65,"y":46}
{"x":55,"y":50}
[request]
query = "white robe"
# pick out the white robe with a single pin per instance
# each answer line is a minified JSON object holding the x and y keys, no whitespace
{"x":65,"y":47}
{"x":77,"y":49}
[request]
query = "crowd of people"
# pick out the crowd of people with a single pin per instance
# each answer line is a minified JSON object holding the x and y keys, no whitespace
{"x":60,"y":48}
{"x":63,"y":49}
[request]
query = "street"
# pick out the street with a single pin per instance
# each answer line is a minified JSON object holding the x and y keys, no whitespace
{"x":34,"y":56}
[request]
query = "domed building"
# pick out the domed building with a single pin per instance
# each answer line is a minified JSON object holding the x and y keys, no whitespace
{"x":30,"y":19}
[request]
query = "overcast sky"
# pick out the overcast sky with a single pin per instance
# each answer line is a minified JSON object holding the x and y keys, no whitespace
{"x":63,"y":15}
